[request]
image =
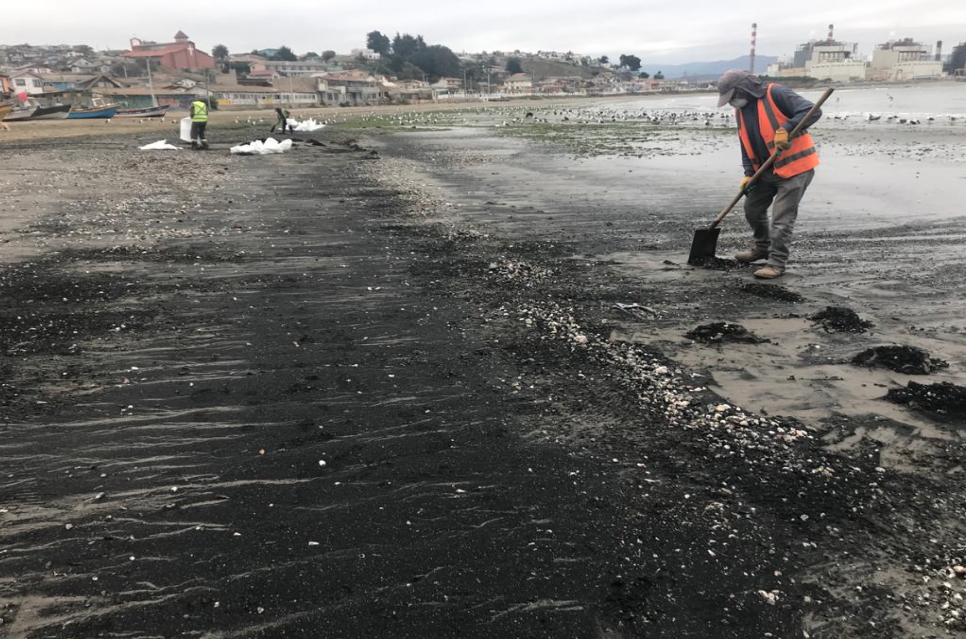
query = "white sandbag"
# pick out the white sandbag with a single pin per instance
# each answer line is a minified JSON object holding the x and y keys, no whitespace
{"x":160,"y":145}
{"x":186,"y":129}
{"x":305,"y":126}
{"x":268,"y":147}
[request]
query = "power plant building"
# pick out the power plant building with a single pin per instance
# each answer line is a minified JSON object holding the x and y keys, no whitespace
{"x":904,"y":60}
{"x":831,"y":60}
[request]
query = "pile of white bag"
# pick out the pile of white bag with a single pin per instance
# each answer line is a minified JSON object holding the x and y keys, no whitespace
{"x":160,"y":145}
{"x":305,"y":126}
{"x":268,"y":147}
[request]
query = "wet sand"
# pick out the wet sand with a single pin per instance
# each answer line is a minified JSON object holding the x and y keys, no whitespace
{"x":481,"y":335}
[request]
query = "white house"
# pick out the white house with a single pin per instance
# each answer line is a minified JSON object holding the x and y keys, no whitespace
{"x":518,"y":83}
{"x":27,"y":82}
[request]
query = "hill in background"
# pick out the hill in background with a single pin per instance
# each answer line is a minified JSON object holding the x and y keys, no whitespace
{"x":708,"y":70}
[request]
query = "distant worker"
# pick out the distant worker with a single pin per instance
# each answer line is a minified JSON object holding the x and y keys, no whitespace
{"x":283,"y":116}
{"x":767,"y":113}
{"x":199,"y":122}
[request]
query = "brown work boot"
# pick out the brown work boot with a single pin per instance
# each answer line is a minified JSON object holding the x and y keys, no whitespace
{"x":751,"y":255}
{"x":769,"y":272}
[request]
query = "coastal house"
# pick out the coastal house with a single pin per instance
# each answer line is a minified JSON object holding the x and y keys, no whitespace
{"x":518,"y":83}
{"x":141,"y":96}
{"x":408,"y":90}
{"x":446,"y":87}
{"x":80,"y":65}
{"x":353,"y":88}
{"x":905,"y":59}
{"x":295,"y":68}
{"x":180,"y":54}
{"x":27,"y":82}
{"x":300,"y":94}
{"x":77,"y":81}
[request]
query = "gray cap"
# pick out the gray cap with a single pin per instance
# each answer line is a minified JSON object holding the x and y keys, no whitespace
{"x":727,"y":84}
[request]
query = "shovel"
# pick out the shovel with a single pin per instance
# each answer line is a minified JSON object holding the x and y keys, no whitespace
{"x":706,"y":240}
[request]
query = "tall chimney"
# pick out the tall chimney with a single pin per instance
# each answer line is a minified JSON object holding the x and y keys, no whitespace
{"x":831,"y":28}
{"x":939,"y":50}
{"x":754,"y":37}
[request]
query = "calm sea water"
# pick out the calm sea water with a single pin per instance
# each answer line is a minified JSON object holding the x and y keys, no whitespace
{"x":922,"y":101}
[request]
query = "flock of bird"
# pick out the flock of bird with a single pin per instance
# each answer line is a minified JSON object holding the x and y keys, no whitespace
{"x":517,"y":115}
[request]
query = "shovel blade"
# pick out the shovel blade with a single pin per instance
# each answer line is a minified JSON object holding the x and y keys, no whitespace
{"x":704,"y":244}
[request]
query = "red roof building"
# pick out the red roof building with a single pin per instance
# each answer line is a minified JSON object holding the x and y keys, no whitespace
{"x":180,"y":54}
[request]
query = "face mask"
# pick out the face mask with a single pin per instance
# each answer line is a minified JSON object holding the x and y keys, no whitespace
{"x":738,"y":103}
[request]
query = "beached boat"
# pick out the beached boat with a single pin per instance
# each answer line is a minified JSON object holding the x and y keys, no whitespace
{"x":51,"y":113}
{"x":97,"y":112}
{"x":142,"y":112}
{"x":19,"y":115}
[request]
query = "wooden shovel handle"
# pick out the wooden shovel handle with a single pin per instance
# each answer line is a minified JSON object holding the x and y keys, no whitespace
{"x":771,"y":160}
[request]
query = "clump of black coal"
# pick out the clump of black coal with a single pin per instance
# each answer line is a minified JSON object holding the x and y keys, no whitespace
{"x":944,"y":398}
{"x":716,"y":263}
{"x":902,"y":359}
{"x":838,"y":319}
{"x":723,"y":332}
{"x":772,"y":291}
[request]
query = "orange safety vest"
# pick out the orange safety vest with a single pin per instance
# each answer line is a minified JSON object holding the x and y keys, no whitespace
{"x":798,"y":158}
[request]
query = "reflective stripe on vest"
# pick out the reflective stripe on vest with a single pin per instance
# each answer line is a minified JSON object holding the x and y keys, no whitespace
{"x":798,"y":158}
{"x":200,"y":113}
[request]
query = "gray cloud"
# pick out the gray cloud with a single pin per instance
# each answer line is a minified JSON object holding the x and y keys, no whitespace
{"x":668,"y":32}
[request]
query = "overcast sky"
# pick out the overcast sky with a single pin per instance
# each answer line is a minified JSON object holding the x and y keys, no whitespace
{"x":667,"y":31}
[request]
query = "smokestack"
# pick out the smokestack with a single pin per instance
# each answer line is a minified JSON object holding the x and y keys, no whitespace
{"x":939,"y":50}
{"x":831,"y":29}
{"x":754,"y":37}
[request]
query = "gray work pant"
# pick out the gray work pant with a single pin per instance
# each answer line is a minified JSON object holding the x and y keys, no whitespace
{"x":775,"y":239}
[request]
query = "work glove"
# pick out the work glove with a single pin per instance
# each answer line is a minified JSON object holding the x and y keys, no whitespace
{"x":781,"y":140}
{"x":744,"y":182}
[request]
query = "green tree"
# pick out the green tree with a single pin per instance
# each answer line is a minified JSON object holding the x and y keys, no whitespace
{"x":220,"y":52}
{"x":286,"y":54}
{"x":513,"y":66}
{"x":604,"y":59}
{"x":376,"y":41}
{"x":406,"y":45}
{"x":437,"y":61}
{"x":645,"y":75}
{"x":328,"y":55}
{"x":308,"y":56}
{"x":630,"y":62}
{"x":659,"y":76}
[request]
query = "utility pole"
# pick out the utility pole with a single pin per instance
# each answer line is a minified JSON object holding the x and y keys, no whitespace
{"x":154,"y":99}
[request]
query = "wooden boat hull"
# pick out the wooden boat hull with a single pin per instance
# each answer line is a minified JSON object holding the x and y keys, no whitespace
{"x":142,"y":112}
{"x":51,"y":113}
{"x":19,"y":116}
{"x":91,"y":114}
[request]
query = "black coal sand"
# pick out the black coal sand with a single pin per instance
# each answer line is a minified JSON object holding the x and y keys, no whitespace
{"x":902,"y":359}
{"x":722,"y":332}
{"x":839,"y":319}
{"x":945,"y":397}
{"x":716,"y":263}
{"x":772,"y":291}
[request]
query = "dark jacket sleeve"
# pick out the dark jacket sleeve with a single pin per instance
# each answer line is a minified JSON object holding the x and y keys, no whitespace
{"x":746,"y":162}
{"x":794,"y":106}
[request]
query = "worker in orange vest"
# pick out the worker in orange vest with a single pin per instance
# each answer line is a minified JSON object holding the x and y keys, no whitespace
{"x":766,"y":114}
